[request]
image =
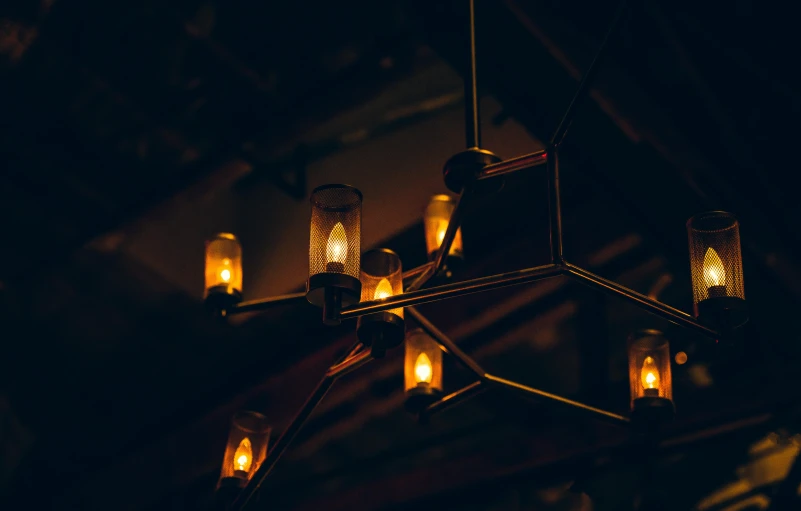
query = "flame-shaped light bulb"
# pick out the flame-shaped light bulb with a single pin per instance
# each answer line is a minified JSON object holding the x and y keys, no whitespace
{"x":650,"y":377}
{"x":243,"y":457}
{"x":225,"y":272}
{"x":382,"y":290}
{"x":423,"y":371}
{"x":714,"y":273}
{"x":337,"y":249}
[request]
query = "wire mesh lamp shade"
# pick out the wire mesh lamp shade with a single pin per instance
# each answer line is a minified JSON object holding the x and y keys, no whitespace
{"x":246,"y":448}
{"x":435,"y":221}
{"x":716,"y":267}
{"x":381,"y":277}
{"x":650,"y":377}
{"x":335,"y":244}
{"x":422,"y":370}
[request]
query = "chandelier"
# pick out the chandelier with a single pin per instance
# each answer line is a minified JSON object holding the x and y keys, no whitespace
{"x":373,"y":288}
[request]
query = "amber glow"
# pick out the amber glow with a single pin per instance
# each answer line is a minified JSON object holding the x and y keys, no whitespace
{"x":441,"y":228}
{"x":382,"y":290}
{"x":225,"y":272}
{"x":422,"y":369}
{"x":714,"y":274}
{"x":243,"y":457}
{"x":337,"y":247}
{"x":650,"y":374}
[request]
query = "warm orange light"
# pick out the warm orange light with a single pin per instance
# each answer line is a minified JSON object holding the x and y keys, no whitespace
{"x":337,"y":248}
{"x":441,"y":228}
{"x":714,"y":274}
{"x":225,"y":272}
{"x":382,"y":290}
{"x":423,"y":371}
{"x":243,"y":457}
{"x":650,"y":374}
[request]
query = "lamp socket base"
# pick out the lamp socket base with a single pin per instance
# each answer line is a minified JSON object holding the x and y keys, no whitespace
{"x":723,"y":313}
{"x":331,"y":292}
{"x":419,"y":397}
{"x":649,"y":414}
{"x":382,"y":331}
{"x":464,"y":167}
{"x":221,"y":298}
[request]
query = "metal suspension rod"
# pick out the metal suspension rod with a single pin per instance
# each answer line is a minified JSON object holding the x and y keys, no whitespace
{"x":452,"y":290}
{"x":455,"y":398}
{"x":667,"y":312}
{"x":567,"y":119}
{"x":471,"y":114}
{"x":414,"y":272}
{"x":503,"y":382}
{"x":501,"y":168}
{"x":355,"y":359}
{"x":266,"y":303}
{"x":555,"y":206}
{"x":444,"y":341}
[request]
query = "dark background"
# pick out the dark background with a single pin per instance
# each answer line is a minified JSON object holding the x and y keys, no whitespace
{"x":132,"y":131}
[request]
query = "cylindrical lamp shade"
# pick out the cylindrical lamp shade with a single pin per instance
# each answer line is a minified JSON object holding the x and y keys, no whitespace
{"x":246,"y":449}
{"x":335,"y":243}
{"x":716,"y":267}
{"x":382,"y":276}
{"x":435,"y":220}
{"x":223,"y":265}
{"x":649,"y":366}
{"x":422,"y":372}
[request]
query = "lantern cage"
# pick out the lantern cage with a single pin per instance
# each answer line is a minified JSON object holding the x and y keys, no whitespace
{"x":650,"y":377}
{"x":334,"y":249}
{"x":381,"y":277}
{"x":246,"y":448}
{"x":422,"y":370}
{"x":716,"y":267}
{"x":223,"y":271}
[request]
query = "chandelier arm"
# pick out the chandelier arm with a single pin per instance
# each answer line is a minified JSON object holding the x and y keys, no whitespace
{"x":419,"y":270}
{"x":471,"y":114}
{"x":526,"y":161}
{"x":541,"y":394}
{"x":656,"y":307}
{"x":266,"y":303}
{"x":446,"y":343}
{"x":564,"y":124}
{"x":555,"y":206}
{"x":454,"y":398}
{"x":355,"y":360}
{"x":452,"y":290}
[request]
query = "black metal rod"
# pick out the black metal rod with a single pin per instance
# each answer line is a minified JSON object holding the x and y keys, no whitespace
{"x":266,"y":303}
{"x":353,"y":359}
{"x":513,"y":165}
{"x":350,"y":364}
{"x":656,"y":307}
{"x":414,"y":272}
{"x":452,"y":290}
{"x":503,"y":382}
{"x":455,"y":398}
{"x":471,"y":114}
{"x":584,"y":84}
{"x":555,"y":206}
{"x":445,"y":341}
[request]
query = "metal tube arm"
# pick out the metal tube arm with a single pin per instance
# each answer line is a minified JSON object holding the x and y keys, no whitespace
{"x":266,"y":303}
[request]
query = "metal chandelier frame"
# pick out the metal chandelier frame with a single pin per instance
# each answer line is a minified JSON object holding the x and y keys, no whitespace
{"x":414,"y":295}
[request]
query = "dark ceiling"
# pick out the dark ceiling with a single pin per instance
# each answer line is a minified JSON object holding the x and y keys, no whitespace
{"x":120,"y":118}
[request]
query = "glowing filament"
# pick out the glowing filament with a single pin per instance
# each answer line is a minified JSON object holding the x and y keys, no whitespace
{"x":243,"y":457}
{"x":714,"y":274}
{"x":422,"y":369}
{"x":442,"y":227}
{"x":382,"y":290}
{"x":650,"y":374}
{"x":337,"y":247}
